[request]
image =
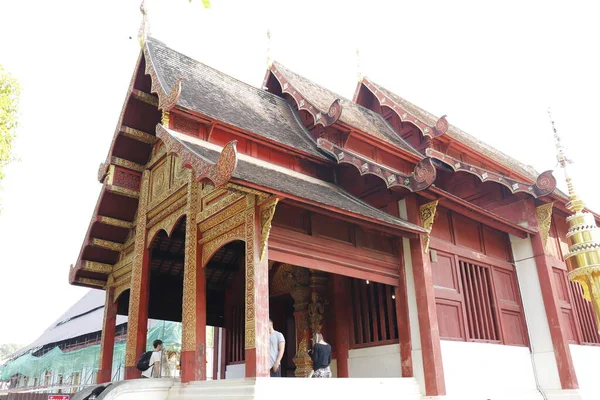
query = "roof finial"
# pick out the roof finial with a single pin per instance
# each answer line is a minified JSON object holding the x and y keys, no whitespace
{"x":145,"y":26}
{"x":269,"y":61}
{"x":359,"y":74}
{"x":575,"y":203}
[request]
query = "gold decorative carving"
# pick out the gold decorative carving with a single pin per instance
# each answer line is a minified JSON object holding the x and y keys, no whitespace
{"x":144,"y":97}
{"x":208,"y":249}
{"x":106,"y":244}
{"x":145,"y":26}
{"x":114,"y":222}
{"x":166,"y":103}
{"x":180,"y":175}
{"x":236,"y":208}
{"x":267,"y":211}
{"x":160,"y":181}
{"x":92,"y":266}
{"x":91,"y":282}
{"x":250,"y":292}
{"x":167,"y":224}
{"x":316,"y":309}
{"x":427,"y":217}
{"x":166,"y":205}
{"x":138,"y":135}
{"x":190,"y":268}
{"x":287,"y":277}
{"x":136,"y":273}
{"x":246,"y":190}
{"x":102,"y":172}
{"x":228,"y":224}
{"x":302,"y":360}
{"x":219,"y":205}
{"x":120,"y":162}
{"x":544,"y":216}
{"x":122,"y":191}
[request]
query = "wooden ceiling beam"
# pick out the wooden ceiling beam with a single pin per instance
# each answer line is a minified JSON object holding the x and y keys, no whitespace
{"x":121,"y":162}
{"x":145,"y":97}
{"x":137,"y":134}
{"x":93,"y":266}
{"x":122,"y":191}
{"x":106,"y":244}
{"x":119,"y":223}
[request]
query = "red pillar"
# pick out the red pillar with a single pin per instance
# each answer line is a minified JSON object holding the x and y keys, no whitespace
{"x":341,"y":299}
{"x":257,"y":300}
{"x":403,"y":322}
{"x":139,"y":304}
{"x":215,"y":371}
{"x":564,"y":362}
{"x":108,"y":338}
{"x":428,"y":323}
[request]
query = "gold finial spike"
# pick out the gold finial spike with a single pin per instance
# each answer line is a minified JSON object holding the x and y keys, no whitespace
{"x":145,"y":26}
{"x":575,"y":203}
{"x":269,"y":61}
{"x":359,"y":74}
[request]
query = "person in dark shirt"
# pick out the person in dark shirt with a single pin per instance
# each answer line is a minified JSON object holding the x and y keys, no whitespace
{"x":321,"y":357}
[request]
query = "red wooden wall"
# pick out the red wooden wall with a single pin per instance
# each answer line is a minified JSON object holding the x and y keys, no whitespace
{"x":476,"y":288}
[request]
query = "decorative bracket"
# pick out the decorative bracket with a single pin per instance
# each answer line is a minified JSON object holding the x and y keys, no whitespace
{"x":218,"y":173}
{"x":544,"y":216}
{"x":423,"y":176}
{"x":427,"y":217}
{"x":267,"y":211}
{"x":440,"y":127}
{"x":545,"y":183}
{"x":320,"y":117}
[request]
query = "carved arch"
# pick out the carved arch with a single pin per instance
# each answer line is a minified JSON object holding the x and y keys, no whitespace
{"x":210,"y":248}
{"x":167,"y":225}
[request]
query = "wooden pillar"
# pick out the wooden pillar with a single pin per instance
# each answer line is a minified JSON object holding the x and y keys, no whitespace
{"x":137,"y":323}
{"x":403,"y":321}
{"x":303,"y":362}
{"x":108,"y":337}
{"x":425,"y":297}
{"x":223,"y":351}
{"x":215,"y":371}
{"x":564,"y":361}
{"x":342,"y":329}
{"x":256,"y":296}
{"x":193,"y":337}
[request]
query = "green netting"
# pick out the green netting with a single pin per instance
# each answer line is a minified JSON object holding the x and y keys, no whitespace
{"x":86,"y":359}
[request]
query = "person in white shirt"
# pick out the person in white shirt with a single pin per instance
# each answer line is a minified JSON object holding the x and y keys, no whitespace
{"x":156,"y":361}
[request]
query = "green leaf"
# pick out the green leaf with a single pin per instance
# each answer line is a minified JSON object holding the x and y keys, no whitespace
{"x":206,"y":3}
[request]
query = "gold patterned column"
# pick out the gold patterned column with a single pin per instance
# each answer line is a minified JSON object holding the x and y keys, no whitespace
{"x":427,"y":217}
{"x":316,"y":308}
{"x":137,"y":323}
{"x":193,"y":346}
{"x":301,"y":296}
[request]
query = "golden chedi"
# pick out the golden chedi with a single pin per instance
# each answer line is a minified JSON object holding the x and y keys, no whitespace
{"x":583,"y":238}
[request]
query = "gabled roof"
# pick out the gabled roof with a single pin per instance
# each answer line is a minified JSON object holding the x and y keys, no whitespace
{"x":84,"y":317}
{"x":223,"y":98}
{"x":461,"y":136}
{"x":353,"y":114}
{"x":270,"y":176}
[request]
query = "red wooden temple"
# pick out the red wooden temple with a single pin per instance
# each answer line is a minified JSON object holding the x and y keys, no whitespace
{"x":416,"y":249}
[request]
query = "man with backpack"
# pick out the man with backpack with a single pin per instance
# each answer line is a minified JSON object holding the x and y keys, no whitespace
{"x":151,"y":362}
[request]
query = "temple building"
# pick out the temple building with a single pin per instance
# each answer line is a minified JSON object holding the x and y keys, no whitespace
{"x":433,"y":263}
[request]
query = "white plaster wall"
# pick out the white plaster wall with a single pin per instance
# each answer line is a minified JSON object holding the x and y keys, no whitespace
{"x":544,"y":358}
{"x":585,"y":360}
{"x":235,"y":371}
{"x":413,"y":315}
{"x":375,"y":362}
{"x":488,"y":371}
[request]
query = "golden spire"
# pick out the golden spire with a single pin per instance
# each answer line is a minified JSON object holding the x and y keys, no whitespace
{"x":269,"y":61}
{"x":145,"y":26}
{"x":583,"y":238}
{"x":359,"y":74}
{"x":575,"y":203}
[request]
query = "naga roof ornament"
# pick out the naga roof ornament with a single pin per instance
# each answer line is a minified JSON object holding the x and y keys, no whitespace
{"x":583,"y":237}
{"x":320,"y":117}
{"x":422,"y":177}
{"x":440,"y":127}
{"x":544,"y":185}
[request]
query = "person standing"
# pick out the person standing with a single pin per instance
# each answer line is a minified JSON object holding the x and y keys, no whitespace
{"x":321,"y":357}
{"x":276,"y":349}
{"x":157,"y":364}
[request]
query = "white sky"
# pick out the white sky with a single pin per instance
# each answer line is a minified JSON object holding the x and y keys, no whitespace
{"x":493,"y":69}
